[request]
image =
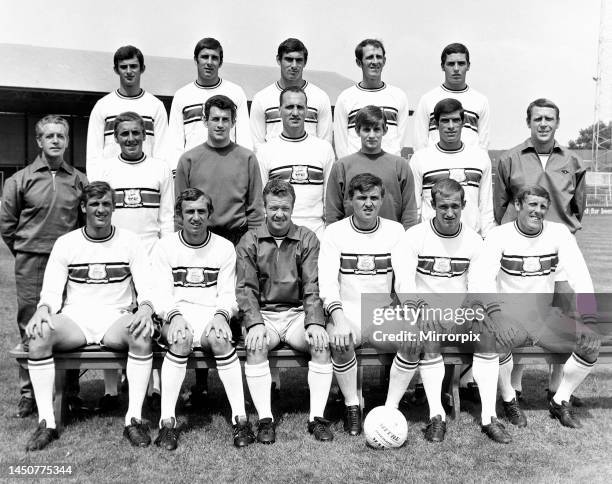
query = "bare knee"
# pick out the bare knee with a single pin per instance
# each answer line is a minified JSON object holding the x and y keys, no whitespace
{"x":343,"y":356}
{"x":141,"y":344}
{"x":321,"y":357}
{"x":217,"y":346}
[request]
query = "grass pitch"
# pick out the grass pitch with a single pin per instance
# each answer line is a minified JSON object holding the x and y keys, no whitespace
{"x":542,"y":452}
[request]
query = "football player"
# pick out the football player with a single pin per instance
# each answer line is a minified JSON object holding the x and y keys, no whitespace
{"x":299,"y":158}
{"x":197,"y":273}
{"x":277,"y":288}
{"x":455,"y":61}
{"x":370,"y":58}
{"x":355,"y":259}
{"x":96,"y":266}
{"x":266,"y":119}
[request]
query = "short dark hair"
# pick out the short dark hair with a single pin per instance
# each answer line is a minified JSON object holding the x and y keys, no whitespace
{"x":127,"y":52}
{"x":292,"y":89}
{"x":363,"y":43}
{"x":535,"y":190}
{"x":446,"y":186}
{"x":51,"y":119}
{"x":128,"y":116}
{"x":97,"y":189}
{"x":280,"y":188}
{"x":541,"y":103}
{"x":221,"y":102}
{"x":292,"y":45}
{"x":455,"y":48}
{"x":447,"y":106}
{"x":208,"y":43}
{"x":369,"y":116}
{"x":191,"y":195}
{"x":364,"y":182}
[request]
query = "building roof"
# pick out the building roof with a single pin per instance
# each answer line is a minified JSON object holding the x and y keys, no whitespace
{"x":47,"y":68}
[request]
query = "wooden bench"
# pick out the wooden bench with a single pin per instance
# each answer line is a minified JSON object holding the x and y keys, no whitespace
{"x":93,"y":358}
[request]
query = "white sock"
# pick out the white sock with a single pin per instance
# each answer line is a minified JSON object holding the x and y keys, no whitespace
{"x":137,"y":369}
{"x":400,"y":375}
{"x":173,"y":372}
{"x":259,"y":380}
{"x":505,"y":378}
{"x":486,"y":370}
{"x":556,"y":374}
{"x":517,"y":377}
{"x":575,"y":371}
{"x":319,"y":382}
{"x":432,"y":373}
{"x":346,"y":374}
{"x":111,"y":381}
{"x":230,"y":374}
{"x":42,"y":375}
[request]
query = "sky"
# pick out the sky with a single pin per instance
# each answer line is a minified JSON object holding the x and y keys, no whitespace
{"x":520,"y":50}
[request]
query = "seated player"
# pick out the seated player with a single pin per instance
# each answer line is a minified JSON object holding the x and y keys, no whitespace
{"x":96,"y":265}
{"x":278,"y":290}
{"x":433,"y":260}
{"x":525,"y":258}
{"x":355,"y":259}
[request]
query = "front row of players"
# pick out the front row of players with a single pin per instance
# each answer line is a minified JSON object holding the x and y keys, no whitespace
{"x":279,"y":271}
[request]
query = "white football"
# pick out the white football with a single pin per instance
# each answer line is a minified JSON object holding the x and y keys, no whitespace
{"x":385,"y":428}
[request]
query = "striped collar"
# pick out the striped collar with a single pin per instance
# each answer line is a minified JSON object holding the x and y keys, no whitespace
{"x":198,"y":246}
{"x":132,"y":162}
{"x":136,"y":96}
{"x":448,"y":89}
{"x":95,"y":240}
{"x":445,"y":236}
{"x":370,"y":89}
{"x":361,"y":231}
{"x":531,"y":236}
{"x":293,"y":140}
{"x":302,"y":87}
{"x":450,"y":152}
{"x":214,"y":86}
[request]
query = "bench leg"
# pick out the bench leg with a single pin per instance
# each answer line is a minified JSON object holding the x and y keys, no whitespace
{"x":60,"y":402}
{"x":455,"y":391}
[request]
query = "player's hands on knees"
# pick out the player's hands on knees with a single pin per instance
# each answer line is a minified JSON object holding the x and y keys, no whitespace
{"x":340,"y":332}
{"x":317,"y":336}
{"x":179,"y":330}
{"x":588,"y":340}
{"x":504,"y":329}
{"x":256,"y":338}
{"x":142,"y":322}
{"x":34,"y":327}
{"x":219,"y":325}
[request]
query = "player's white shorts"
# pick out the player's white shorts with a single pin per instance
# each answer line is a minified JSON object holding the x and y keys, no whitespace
{"x":284,"y":323}
{"x":198,"y":317}
{"x":94,"y":321}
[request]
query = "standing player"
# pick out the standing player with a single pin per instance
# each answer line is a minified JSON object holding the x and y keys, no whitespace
{"x":455,"y":64}
{"x":39,"y":204}
{"x":399,"y":202}
{"x":230,"y":175}
{"x":299,"y":158}
{"x":277,"y":288}
{"x":96,"y":267}
{"x":355,"y":259}
{"x":196,"y":270}
{"x":186,"y":130}
{"x":525,"y":258}
{"x":129,"y":66}
{"x":266,"y":119}
{"x":434,"y":260}
{"x":370,"y":57}
{"x":541,"y":160}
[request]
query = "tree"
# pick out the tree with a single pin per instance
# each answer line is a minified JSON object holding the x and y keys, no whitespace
{"x":584,"y":141}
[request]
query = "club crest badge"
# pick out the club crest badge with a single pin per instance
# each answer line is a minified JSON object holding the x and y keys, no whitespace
{"x":299,"y":173}
{"x":366,"y":263}
{"x":97,"y":272}
{"x":132,"y":198}
{"x":457,"y":174}
{"x":442,"y":265}
{"x":532,"y":264}
{"x":195,"y":275}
